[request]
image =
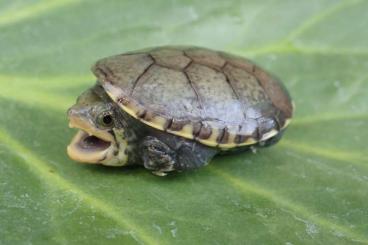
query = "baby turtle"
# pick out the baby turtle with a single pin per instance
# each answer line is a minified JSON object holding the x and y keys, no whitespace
{"x":174,"y":108}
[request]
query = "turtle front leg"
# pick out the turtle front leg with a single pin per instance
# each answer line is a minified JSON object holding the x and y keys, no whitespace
{"x":182,"y":155}
{"x":157,"y":156}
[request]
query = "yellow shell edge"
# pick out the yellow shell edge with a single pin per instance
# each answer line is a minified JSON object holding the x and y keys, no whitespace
{"x":158,"y":122}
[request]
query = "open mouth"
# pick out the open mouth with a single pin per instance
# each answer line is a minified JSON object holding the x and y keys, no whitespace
{"x":89,"y":145}
{"x":92,"y":143}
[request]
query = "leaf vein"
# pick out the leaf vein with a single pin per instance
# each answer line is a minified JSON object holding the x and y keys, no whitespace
{"x":246,"y":187}
{"x":40,"y":169}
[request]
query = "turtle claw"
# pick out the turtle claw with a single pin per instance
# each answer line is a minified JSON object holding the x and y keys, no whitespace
{"x":159,"y":173}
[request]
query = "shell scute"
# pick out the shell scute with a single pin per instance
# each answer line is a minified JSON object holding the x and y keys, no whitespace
{"x":170,"y":58}
{"x":122,"y":70}
{"x":205,"y":57}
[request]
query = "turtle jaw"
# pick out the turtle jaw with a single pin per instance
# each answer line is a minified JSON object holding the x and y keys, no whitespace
{"x":90,"y":144}
{"x":88,"y":148}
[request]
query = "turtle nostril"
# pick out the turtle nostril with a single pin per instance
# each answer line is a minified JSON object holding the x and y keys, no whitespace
{"x":71,"y":112}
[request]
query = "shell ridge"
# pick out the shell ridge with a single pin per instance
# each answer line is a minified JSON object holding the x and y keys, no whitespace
{"x":191,"y":84}
{"x":141,"y":75}
{"x":195,"y":90}
{"x":228,"y":80}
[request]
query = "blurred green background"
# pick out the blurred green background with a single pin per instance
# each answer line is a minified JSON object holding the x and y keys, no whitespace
{"x":311,"y":188}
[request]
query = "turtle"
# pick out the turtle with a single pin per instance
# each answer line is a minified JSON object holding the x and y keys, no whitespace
{"x":173,"y":108}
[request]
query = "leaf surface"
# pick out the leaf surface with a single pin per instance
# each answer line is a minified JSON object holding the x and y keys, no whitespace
{"x":311,"y":188}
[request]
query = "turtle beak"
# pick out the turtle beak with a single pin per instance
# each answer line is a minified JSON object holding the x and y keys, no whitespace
{"x":90,"y":144}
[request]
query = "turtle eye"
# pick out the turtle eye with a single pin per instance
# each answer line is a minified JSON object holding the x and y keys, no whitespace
{"x":106,"y":120}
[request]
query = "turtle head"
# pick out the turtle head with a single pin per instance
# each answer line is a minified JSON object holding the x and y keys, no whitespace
{"x":99,"y":139}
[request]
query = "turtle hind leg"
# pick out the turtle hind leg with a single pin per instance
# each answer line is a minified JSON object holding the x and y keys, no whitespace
{"x":192,"y":155}
{"x":161,"y":158}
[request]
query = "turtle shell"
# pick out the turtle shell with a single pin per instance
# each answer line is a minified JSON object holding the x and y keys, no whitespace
{"x":212,"y":97}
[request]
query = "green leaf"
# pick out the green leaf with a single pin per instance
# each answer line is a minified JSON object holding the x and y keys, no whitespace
{"x":311,"y":188}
